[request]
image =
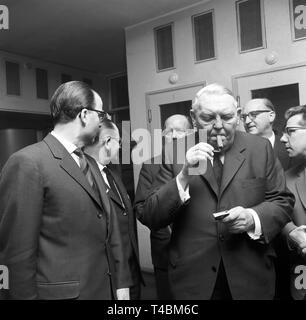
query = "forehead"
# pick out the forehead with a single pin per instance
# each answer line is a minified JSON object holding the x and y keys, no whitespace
{"x":255,"y":105}
{"x":296,"y":120}
{"x":98,"y":102}
{"x":177,"y":123}
{"x":217,"y":104}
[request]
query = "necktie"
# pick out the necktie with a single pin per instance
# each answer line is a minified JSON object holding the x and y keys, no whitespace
{"x":112,"y":183}
{"x":84,"y":166}
{"x":218,"y":168}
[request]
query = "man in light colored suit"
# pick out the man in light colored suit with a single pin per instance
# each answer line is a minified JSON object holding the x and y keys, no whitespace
{"x":104,"y":150}
{"x":294,"y":139}
{"x":230,"y":258}
{"x":58,"y":234}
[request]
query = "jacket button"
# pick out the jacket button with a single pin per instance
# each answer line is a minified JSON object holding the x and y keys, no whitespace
{"x":214,"y":269}
{"x":221,"y":237}
{"x":99,"y":215}
{"x":124,"y":213}
{"x":109,"y":273}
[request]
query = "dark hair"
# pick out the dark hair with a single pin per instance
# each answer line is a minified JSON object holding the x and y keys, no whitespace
{"x":69,"y":99}
{"x":268,"y":104}
{"x":296,"y":110}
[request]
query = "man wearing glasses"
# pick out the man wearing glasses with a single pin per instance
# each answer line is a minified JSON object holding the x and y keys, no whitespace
{"x":294,"y":139}
{"x":105,"y":150}
{"x":227,"y":255}
{"x":59,"y":236}
{"x":258,"y":117}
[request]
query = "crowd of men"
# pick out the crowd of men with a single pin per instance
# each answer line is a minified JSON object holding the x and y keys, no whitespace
{"x":235,"y":230}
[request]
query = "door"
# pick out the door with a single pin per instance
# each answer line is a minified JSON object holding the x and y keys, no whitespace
{"x":164,"y":103}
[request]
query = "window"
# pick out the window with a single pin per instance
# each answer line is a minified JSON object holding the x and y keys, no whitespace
{"x":164,"y":47}
{"x":119,"y":92}
{"x":12,"y":78}
{"x":65,"y":78}
{"x":250,"y":25}
{"x":298,"y":19}
{"x":203,"y":33}
{"x":42,"y":84}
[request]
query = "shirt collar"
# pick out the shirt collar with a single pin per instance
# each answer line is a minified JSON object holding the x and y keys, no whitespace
{"x":69,"y":146}
{"x":272,"y":139}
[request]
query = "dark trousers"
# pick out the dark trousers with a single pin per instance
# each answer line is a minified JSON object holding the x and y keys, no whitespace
{"x":162,"y":284}
{"x":221,"y":289}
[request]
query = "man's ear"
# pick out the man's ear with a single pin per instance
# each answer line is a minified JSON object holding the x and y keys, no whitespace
{"x":238,"y":115}
{"x":83,"y":116}
{"x":272,"y":116}
{"x":192,"y":116}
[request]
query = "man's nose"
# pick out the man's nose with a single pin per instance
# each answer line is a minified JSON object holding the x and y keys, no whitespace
{"x":247,"y":119}
{"x":218,"y":123}
{"x":284,"y":138}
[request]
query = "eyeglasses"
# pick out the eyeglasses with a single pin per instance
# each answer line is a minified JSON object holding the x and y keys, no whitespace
{"x":170,"y":132}
{"x":101,"y":114}
{"x":288,"y":131}
{"x":253,"y":114}
{"x":211,"y":119}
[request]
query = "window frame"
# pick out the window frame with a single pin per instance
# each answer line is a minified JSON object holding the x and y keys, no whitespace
{"x":263,"y":27}
{"x":20,"y":77}
{"x":291,"y":12}
{"x":173,"y":46}
{"x":214,"y":36}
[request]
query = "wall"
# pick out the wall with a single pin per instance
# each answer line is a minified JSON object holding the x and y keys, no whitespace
{"x":143,"y":78}
{"x":27,"y":101}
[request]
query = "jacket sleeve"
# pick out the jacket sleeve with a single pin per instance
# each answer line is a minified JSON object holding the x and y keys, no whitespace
{"x":275,"y":212}
{"x":157,"y":201}
{"x":21,"y":203}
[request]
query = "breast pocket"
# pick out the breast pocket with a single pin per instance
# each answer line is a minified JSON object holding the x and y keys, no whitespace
{"x":252,"y":183}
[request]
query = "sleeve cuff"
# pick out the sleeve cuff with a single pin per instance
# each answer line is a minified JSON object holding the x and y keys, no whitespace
{"x":257,"y":232}
{"x":184,"y":194}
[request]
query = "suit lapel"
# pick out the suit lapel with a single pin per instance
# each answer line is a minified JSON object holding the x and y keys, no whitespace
{"x":301,"y":186}
{"x":68,"y":164}
{"x":232,"y":162}
{"x":209,"y":176}
{"x":121,"y":190}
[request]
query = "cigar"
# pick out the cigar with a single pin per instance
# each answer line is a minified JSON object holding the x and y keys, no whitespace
{"x":219,"y":144}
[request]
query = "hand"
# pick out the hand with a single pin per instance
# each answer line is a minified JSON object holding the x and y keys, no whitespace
{"x":298,"y":237}
{"x":239,"y":220}
{"x":123,"y":294}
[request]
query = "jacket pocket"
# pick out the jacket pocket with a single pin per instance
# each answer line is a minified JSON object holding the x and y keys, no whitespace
{"x":58,"y":290}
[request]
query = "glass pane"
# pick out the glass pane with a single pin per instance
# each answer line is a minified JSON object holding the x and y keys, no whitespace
{"x":164,"y":48}
{"x":12,"y":78}
{"x":204,"y":36}
{"x":42,"y":84}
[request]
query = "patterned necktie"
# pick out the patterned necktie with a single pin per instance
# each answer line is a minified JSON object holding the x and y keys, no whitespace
{"x":112,"y":184}
{"x":84,"y":166}
{"x":218,"y":168}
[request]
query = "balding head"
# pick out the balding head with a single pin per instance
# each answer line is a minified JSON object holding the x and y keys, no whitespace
{"x":176,"y":126}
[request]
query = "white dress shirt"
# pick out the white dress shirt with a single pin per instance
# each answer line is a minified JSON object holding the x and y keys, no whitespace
{"x":272,"y":139}
{"x":69,"y":146}
{"x":255,"y":234}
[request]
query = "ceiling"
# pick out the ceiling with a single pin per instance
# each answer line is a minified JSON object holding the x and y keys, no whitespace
{"x":84,"y":34}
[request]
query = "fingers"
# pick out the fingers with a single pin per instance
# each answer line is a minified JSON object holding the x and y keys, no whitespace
{"x":199,"y":152}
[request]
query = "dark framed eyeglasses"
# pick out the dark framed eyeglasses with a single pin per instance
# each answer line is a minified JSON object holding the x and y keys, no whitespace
{"x":253,"y":114}
{"x":288,"y":131}
{"x":101,"y":114}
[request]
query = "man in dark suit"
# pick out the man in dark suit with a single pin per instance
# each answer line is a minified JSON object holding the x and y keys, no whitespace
{"x":176,"y":126}
{"x":294,"y":139}
{"x":233,"y":172}
{"x":58,"y":234}
{"x":258,"y":117}
{"x":104,"y":150}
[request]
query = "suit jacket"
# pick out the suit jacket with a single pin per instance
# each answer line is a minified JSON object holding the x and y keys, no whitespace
{"x":159,"y":238}
{"x":57,"y":237}
{"x":296,"y":181}
{"x":281,"y":153}
{"x":128,"y":227}
{"x":251,"y":180}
